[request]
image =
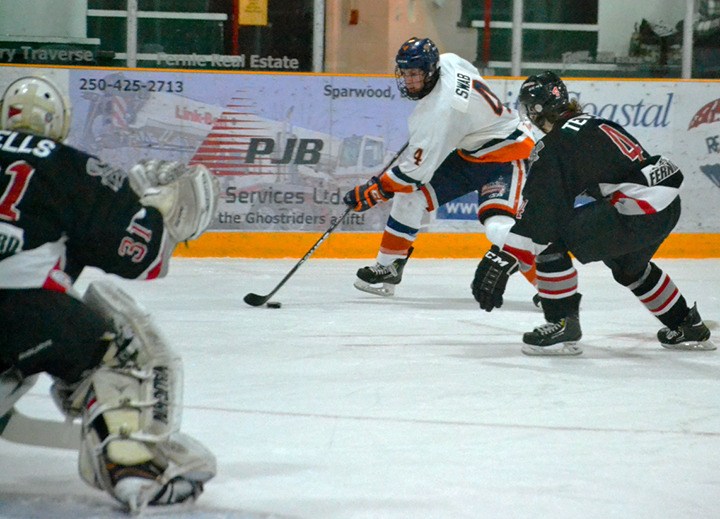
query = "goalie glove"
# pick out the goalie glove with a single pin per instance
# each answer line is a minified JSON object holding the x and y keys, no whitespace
{"x":187,"y":204}
{"x":153,"y":173}
{"x":367,"y":195}
{"x":491,"y":277}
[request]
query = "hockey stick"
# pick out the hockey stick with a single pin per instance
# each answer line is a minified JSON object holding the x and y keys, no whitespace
{"x":19,"y":428}
{"x":258,"y":300}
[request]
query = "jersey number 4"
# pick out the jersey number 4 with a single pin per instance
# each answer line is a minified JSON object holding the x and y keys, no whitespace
{"x":20,"y":173}
{"x":491,"y":99}
{"x":629,"y":147}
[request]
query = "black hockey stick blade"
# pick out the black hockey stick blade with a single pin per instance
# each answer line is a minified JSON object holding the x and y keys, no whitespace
{"x":256,"y":299}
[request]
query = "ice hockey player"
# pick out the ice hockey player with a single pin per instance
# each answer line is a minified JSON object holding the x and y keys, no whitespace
{"x":631,"y":204}
{"x":461,"y":139}
{"x":111,"y":367}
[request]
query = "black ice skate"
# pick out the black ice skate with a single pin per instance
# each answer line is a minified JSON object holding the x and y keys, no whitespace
{"x":556,"y":338}
{"x":389,"y":276}
{"x":691,"y":334}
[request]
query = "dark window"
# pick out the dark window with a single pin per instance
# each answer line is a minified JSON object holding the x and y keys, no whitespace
{"x":289,"y":33}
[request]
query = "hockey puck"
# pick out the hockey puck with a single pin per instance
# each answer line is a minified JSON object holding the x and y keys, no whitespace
{"x":273,"y":304}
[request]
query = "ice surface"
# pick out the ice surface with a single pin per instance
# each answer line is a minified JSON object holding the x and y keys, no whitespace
{"x":346,"y":405}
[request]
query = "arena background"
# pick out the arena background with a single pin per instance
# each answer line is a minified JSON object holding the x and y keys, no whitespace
{"x":286,"y":146}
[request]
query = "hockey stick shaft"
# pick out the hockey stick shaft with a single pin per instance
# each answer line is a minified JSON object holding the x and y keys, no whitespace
{"x":19,"y":428}
{"x":258,"y":300}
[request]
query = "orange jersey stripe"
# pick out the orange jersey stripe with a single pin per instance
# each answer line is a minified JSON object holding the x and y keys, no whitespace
{"x":515,"y":151}
{"x":389,"y":185}
{"x":428,"y":198}
{"x":391,"y":244}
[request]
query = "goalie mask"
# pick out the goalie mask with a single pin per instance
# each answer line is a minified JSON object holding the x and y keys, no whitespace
{"x":35,"y":105}
{"x":545,"y":98}
{"x":417,"y":57}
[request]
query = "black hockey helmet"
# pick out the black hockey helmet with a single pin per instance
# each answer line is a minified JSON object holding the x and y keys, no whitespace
{"x":545,"y":98}
{"x":417,"y":53}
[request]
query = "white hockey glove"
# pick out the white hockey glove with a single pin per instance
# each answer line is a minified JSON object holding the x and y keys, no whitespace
{"x":152,"y":173}
{"x":187,"y":203}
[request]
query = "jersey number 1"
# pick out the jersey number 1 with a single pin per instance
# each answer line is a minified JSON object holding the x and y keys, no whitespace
{"x":20,"y":173}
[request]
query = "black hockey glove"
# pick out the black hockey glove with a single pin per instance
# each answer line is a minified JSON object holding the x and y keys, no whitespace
{"x":367,"y":195}
{"x":491,"y":276}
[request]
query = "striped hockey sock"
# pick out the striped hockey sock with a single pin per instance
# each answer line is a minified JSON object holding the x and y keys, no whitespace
{"x":660,"y":296}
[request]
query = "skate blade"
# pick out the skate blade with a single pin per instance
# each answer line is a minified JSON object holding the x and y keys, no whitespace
{"x":386,"y":290}
{"x":691,"y":346}
{"x":556,"y":350}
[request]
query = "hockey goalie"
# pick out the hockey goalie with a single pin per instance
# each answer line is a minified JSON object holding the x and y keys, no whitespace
{"x":62,"y":210}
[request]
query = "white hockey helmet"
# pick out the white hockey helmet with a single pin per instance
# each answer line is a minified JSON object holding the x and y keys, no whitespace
{"x":35,"y":105}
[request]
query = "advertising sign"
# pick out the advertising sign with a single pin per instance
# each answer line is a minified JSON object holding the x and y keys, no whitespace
{"x":286,"y":147}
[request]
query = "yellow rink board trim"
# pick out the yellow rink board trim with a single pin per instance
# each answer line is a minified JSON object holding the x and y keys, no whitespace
{"x":365,"y":245}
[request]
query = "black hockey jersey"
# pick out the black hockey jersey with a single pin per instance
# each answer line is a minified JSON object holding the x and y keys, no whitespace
{"x":584,"y":158}
{"x":59,"y":207}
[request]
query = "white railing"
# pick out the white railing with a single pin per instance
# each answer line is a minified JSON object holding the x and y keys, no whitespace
{"x":518,"y":26}
{"x":132,"y":14}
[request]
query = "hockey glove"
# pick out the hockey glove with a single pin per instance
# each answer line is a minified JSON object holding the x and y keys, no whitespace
{"x":152,"y":173}
{"x":367,"y":195}
{"x":491,"y":278}
{"x":187,"y":204}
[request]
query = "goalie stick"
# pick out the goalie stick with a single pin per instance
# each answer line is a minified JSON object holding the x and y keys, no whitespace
{"x":258,"y":300}
{"x":17,"y":427}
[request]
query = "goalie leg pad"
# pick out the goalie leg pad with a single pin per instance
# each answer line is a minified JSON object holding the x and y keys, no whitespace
{"x":136,"y":345}
{"x":178,"y":472}
{"x":131,"y":410}
{"x":187,"y":204}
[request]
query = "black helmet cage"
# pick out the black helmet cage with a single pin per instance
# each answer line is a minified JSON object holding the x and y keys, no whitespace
{"x":421,"y":54}
{"x":545,"y":98}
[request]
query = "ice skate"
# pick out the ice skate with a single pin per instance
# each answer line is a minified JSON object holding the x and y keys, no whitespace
{"x":556,"y":338}
{"x":368,"y":278}
{"x":140,"y":486}
{"x":691,"y":334}
{"x":134,"y":486}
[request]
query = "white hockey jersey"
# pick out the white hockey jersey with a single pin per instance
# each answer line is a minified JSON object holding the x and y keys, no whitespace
{"x":460,"y":113}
